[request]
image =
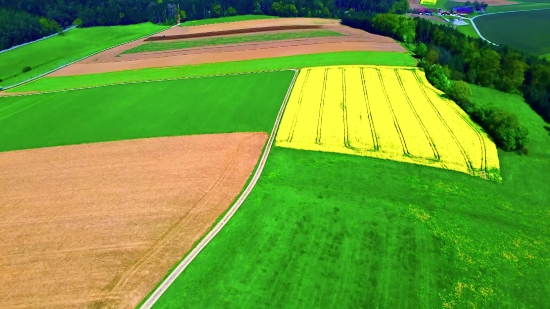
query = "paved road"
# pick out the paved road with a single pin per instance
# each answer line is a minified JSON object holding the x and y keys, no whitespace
{"x":183,"y":264}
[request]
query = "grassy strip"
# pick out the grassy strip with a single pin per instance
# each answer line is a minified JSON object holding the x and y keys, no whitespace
{"x":169,"y":108}
{"x":54,"y":52}
{"x":154,"y":46}
{"x":298,"y":61}
{"x":354,"y":232}
{"x":219,"y":20}
{"x":468,"y":30}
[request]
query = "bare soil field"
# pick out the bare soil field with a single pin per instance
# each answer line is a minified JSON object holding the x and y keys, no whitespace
{"x":353,"y":40}
{"x":229,"y":32}
{"x":98,"y":225}
{"x":415,"y":4}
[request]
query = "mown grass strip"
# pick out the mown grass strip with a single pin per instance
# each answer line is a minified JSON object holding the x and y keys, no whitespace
{"x":289,"y":62}
{"x":155,"y":46}
{"x":220,"y":20}
{"x":168,"y":108}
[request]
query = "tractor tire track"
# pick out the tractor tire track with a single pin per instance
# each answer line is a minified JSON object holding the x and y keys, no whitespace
{"x":320,"y":119}
{"x":300,"y":98}
{"x":376,"y":147}
{"x":455,"y":139}
{"x":345,"y":111}
{"x":395,"y":123}
{"x":453,"y":106}
{"x":415,"y":113}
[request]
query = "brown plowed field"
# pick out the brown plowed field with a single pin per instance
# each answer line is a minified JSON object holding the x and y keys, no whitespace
{"x":353,"y":40}
{"x":98,"y":225}
{"x":221,"y":56}
{"x":165,"y":37}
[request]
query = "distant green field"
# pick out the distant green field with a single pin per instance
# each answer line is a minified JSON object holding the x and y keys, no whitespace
{"x":230,"y":19}
{"x":519,"y":30}
{"x":193,"y":106}
{"x":54,"y":52}
{"x":324,"y":230}
{"x":522,"y":5}
{"x":156,"y":46}
{"x":468,"y":30}
{"x":299,"y":61}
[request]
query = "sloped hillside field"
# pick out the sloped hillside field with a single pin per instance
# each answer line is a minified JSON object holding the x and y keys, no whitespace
{"x":328,"y":230}
{"x":384,"y":112}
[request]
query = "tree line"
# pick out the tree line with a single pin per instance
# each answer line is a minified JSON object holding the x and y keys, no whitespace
{"x":22,"y":21}
{"x":450,"y":57}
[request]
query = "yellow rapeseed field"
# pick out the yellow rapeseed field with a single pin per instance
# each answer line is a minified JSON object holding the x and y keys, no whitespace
{"x":384,"y":112}
{"x":429,"y":2}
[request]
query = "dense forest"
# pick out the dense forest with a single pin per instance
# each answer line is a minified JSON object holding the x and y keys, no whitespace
{"x":451,"y":58}
{"x":27,"y":20}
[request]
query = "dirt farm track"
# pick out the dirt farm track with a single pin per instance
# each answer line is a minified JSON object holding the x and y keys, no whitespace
{"x":98,"y":225}
{"x":353,"y":40}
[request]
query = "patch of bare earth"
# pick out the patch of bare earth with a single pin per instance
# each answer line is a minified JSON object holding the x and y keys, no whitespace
{"x":352,"y":40}
{"x":99,"y":225}
{"x":415,"y":4}
{"x":7,"y":94}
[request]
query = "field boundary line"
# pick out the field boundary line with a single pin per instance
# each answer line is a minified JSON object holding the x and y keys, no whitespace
{"x":415,"y":113}
{"x":300,"y":98}
{"x":147,"y":81}
{"x":73,"y":62}
{"x":154,"y":297}
{"x":369,"y":113}
{"x":395,"y":122}
{"x":321,"y":107}
{"x":442,"y":119}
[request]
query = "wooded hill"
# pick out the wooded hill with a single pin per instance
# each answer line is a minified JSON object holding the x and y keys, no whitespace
{"x":27,"y":20}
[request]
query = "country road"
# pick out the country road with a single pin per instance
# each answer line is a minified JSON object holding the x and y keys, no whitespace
{"x":154,"y":297}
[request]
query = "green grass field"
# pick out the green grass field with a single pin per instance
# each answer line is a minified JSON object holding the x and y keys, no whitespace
{"x":54,"y":52}
{"x":168,"y":108}
{"x":155,"y":46}
{"x":468,"y":30}
{"x":518,"y":30}
{"x":522,"y":5}
{"x":323,"y":230}
{"x":299,"y":61}
{"x":230,"y":19}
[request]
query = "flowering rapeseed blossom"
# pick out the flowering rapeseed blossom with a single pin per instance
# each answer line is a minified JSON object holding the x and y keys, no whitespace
{"x":383,"y":112}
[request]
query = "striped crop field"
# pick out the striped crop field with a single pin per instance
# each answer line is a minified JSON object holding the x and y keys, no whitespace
{"x":384,"y":112}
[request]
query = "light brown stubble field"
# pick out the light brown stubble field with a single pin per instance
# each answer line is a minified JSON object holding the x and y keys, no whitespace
{"x":353,"y":40}
{"x":99,"y":225}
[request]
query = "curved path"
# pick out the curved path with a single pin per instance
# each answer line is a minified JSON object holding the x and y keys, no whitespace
{"x":152,"y":299}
